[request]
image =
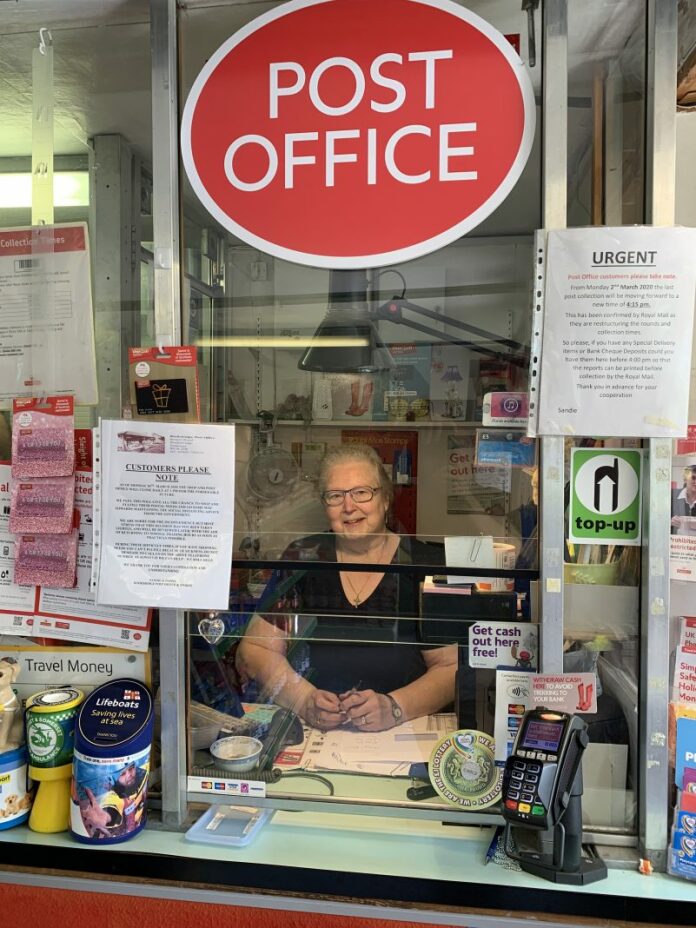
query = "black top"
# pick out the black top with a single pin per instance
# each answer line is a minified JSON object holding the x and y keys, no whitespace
{"x":682,"y":507}
{"x":371,"y":646}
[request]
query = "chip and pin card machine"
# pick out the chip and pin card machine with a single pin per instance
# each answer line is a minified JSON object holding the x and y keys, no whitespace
{"x":542,"y":789}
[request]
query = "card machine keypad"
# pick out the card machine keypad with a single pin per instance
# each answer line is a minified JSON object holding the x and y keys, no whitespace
{"x":522,"y":796}
{"x":530,"y":780}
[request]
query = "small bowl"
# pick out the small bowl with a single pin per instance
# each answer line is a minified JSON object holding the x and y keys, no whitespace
{"x":236,"y":753}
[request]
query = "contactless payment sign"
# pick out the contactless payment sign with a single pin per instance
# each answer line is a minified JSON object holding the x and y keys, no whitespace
{"x":354,"y":133}
{"x":605,"y":498}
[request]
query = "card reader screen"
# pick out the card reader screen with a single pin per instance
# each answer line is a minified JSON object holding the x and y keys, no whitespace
{"x":542,"y":736}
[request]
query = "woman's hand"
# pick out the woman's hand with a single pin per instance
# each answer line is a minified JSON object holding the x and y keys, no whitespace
{"x":322,"y":709}
{"x":367,"y":710}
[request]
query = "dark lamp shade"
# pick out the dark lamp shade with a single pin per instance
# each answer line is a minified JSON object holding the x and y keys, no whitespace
{"x":346,"y":343}
{"x":451,"y":373}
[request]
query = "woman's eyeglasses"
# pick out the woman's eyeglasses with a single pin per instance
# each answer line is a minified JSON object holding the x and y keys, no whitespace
{"x":357,"y":494}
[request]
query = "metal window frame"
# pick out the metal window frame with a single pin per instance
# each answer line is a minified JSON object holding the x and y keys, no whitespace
{"x":660,"y":198}
{"x":167,"y":284}
{"x":653,"y":798}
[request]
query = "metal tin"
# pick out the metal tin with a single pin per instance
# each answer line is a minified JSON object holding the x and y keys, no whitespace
{"x":111,"y":763}
{"x":50,"y":725}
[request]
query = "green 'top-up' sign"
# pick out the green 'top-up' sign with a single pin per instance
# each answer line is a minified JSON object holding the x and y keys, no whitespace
{"x":605,"y":497}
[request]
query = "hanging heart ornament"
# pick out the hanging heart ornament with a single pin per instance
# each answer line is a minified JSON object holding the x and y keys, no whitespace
{"x":211,"y":628}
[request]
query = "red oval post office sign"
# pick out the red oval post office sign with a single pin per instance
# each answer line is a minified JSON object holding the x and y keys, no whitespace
{"x":355,"y":133}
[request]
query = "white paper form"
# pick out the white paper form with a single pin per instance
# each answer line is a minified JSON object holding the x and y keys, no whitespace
{"x":387,"y":753}
{"x":617,"y":327}
{"x":46,"y":323}
{"x":167,"y":514}
{"x":16,"y":602}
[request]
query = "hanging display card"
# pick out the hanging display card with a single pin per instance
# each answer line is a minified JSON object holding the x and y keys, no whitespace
{"x":16,"y":602}
{"x":165,"y":501}
{"x":46,"y":324}
{"x":164,"y":382}
{"x":616,"y":337}
{"x":69,"y":614}
{"x":74,"y":614}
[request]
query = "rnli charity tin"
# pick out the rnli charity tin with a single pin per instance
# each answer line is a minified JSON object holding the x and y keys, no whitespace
{"x":111,"y":763}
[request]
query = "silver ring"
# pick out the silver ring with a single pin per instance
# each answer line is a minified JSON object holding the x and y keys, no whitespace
{"x":363,"y":720}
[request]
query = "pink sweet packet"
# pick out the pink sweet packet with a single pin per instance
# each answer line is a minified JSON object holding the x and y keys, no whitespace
{"x":42,"y":506}
{"x":42,"y":437}
{"x":46,"y":560}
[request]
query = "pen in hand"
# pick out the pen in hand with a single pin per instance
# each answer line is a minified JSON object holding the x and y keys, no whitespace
{"x":351,"y":692}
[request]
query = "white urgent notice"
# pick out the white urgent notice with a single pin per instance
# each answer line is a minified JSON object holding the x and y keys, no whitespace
{"x":617,"y":329}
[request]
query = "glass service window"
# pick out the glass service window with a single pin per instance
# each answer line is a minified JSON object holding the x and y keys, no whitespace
{"x":342,"y":613}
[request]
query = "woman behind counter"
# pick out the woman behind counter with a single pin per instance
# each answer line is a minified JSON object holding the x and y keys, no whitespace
{"x":378,"y":675}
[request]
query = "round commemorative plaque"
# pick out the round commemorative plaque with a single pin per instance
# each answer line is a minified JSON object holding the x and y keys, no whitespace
{"x":463,"y":771}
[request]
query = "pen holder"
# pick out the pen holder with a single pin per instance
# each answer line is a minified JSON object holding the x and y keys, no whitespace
{"x":50,"y":724}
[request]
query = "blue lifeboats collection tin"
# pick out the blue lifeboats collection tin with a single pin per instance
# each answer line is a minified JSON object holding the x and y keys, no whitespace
{"x":111,"y":763}
{"x":15,"y":794}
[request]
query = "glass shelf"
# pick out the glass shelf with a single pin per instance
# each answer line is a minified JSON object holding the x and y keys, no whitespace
{"x":348,"y":423}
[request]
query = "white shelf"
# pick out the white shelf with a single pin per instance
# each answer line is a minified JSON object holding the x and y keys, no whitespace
{"x":362,"y":423}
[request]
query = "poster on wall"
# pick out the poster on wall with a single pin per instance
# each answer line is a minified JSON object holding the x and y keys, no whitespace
{"x":46,"y":324}
{"x":617,"y":330}
{"x":164,"y":507}
{"x":682,"y":542}
{"x":16,"y":602}
{"x":473,"y":487}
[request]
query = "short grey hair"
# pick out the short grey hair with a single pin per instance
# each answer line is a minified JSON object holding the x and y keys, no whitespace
{"x":342,"y":454}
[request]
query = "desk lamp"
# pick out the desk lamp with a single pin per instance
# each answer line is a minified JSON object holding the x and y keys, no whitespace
{"x":347,"y":340}
{"x":349,"y":319}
